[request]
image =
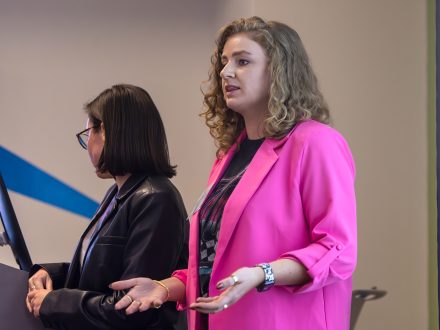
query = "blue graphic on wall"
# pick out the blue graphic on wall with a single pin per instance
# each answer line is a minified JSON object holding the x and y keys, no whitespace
{"x":27,"y":179}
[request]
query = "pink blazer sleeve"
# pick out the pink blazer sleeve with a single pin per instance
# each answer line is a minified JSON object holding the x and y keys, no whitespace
{"x":181,"y":275}
{"x":327,"y":175}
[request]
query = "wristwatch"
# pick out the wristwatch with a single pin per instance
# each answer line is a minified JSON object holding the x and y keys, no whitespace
{"x":269,"y":278}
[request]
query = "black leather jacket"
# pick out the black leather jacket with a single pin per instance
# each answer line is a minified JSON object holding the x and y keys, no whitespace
{"x":146,"y":234}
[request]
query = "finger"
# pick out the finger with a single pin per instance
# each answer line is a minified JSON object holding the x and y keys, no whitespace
{"x":31,"y":294}
{"x":204,"y":310}
{"x":228,"y":282}
{"x":134,"y":307}
{"x":121,"y":285}
{"x":206,"y":299}
{"x":120,"y":305}
{"x":124,"y":302}
{"x":37,"y":312}
{"x":49,"y":284}
{"x":199,"y":310}
{"x":145,"y":306}
{"x":28,"y":305}
{"x":211,"y":307}
{"x":157,"y":303}
{"x":38,"y":283}
{"x":34,"y":309}
{"x":31,"y":284}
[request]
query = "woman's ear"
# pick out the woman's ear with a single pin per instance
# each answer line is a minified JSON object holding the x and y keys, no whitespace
{"x":102,"y":131}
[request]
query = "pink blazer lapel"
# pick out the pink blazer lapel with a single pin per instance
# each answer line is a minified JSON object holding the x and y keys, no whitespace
{"x":215,"y":175}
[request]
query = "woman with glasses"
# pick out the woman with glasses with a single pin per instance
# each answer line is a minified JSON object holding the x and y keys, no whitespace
{"x":140,"y":228}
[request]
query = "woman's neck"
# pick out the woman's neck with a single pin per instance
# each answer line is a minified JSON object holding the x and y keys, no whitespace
{"x":120,"y":180}
{"x":254,"y":126}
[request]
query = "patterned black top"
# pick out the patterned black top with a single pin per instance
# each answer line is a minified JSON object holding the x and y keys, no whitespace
{"x":211,"y":212}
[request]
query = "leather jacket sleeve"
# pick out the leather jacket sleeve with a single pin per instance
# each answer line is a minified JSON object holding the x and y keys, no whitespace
{"x":155,"y":245}
{"x":56,"y":271}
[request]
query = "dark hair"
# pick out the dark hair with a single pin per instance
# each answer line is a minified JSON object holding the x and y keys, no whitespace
{"x":135,"y":140}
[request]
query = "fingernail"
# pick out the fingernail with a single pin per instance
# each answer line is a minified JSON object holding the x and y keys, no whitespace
{"x":220,"y":286}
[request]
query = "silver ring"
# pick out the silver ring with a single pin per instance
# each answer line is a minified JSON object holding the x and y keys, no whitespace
{"x":235,"y":279}
{"x":129,"y":298}
{"x":137,"y":302}
{"x":225,"y":306}
{"x":33,"y":287}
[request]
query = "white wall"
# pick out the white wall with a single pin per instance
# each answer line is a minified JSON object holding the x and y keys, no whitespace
{"x":370,"y":58}
{"x":56,"y":56}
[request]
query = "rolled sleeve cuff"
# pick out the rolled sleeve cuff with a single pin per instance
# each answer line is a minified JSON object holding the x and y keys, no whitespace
{"x":181,"y":275}
{"x":317,"y":259}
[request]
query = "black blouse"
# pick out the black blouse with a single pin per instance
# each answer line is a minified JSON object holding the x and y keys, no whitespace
{"x":210,"y":215}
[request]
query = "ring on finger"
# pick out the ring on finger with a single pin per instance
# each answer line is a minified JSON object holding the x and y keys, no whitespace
{"x":157,"y":306}
{"x":225,"y":306}
{"x":235,"y":279}
{"x":129,"y":298}
{"x":137,"y":302}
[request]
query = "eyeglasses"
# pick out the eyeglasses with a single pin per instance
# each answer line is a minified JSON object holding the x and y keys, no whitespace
{"x":83,"y":136}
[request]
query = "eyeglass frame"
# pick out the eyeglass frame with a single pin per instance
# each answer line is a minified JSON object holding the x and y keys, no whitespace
{"x":86,"y":133}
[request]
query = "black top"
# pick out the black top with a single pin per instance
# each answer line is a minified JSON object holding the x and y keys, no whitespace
{"x":211,"y":212}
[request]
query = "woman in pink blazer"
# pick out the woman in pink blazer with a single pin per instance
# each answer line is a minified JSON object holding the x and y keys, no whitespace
{"x":273,"y":242}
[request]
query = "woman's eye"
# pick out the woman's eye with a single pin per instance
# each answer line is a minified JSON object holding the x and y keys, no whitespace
{"x":243,"y":62}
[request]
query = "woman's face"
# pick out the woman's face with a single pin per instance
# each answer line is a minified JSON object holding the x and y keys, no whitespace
{"x":95,"y":144}
{"x":245,"y":76}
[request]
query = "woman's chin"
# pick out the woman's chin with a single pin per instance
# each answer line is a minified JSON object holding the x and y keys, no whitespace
{"x":103,"y":175}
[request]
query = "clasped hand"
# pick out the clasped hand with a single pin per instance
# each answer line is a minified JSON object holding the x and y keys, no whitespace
{"x":40,"y":284}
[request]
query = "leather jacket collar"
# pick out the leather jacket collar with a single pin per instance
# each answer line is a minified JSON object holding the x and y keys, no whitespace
{"x":133,"y":181}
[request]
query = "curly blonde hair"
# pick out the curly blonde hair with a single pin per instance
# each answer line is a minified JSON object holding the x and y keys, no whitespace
{"x":294,"y":95}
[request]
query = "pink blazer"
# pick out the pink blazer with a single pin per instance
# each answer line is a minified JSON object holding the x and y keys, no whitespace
{"x":296,"y":200}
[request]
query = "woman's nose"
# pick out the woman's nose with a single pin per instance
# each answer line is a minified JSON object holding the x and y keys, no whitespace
{"x":227,"y":72}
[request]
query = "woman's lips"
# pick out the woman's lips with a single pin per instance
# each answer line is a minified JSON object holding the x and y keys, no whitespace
{"x":230,"y":89}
